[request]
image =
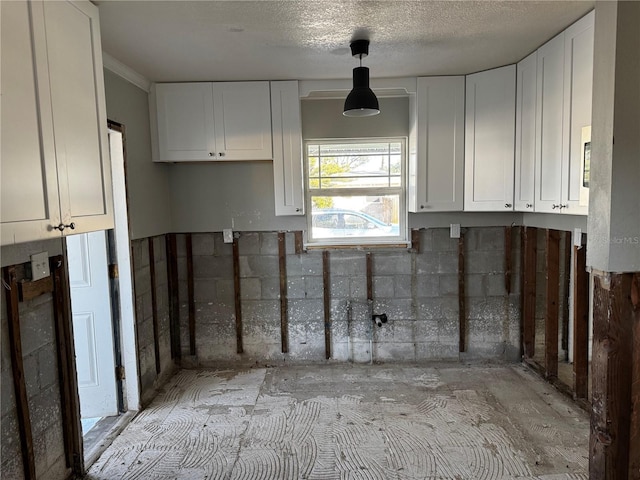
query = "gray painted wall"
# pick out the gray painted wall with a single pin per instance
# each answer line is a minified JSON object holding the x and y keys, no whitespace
{"x":147,"y":182}
{"x":614,"y":201}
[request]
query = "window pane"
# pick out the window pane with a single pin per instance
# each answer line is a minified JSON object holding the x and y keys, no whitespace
{"x":313,"y":150}
{"x":349,"y":217}
{"x":355,"y":182}
{"x":314,"y":169}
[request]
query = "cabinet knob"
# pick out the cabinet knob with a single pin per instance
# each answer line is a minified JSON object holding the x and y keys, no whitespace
{"x":211,"y":154}
{"x":62,"y":226}
{"x":221,"y":154}
{"x":507,"y":205}
{"x":422,"y":207}
{"x":529,"y":205}
{"x":297,"y":209}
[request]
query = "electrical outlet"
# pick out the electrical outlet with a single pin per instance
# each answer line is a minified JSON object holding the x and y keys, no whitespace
{"x":454,"y":230}
{"x":40,"y":266}
{"x":227,"y":235}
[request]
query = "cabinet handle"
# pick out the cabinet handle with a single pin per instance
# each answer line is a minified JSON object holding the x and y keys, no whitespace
{"x":507,"y":205}
{"x":563,"y":206}
{"x":528,"y":205}
{"x":62,"y":226}
{"x":211,"y":154}
{"x":554,"y":206}
{"x":221,"y":154}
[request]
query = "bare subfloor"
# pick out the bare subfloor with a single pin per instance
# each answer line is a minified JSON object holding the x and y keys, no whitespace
{"x":353,"y":422}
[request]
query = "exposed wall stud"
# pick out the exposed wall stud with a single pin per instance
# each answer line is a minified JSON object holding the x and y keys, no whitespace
{"x":567,"y":246}
{"x":552,"y":277}
{"x":369,"y":276}
{"x":174,"y":295}
{"x":415,"y":240}
{"x":616,"y":340}
{"x":154,"y":305}
{"x":299,"y":245}
{"x":19,"y":385}
{"x":284,"y":309}
{"x":238,"y":303}
{"x":327,"y":304}
{"x":191,"y":296}
{"x":529,"y":290}
{"x":507,"y":259}
{"x":580,"y":323}
{"x":462,"y":303}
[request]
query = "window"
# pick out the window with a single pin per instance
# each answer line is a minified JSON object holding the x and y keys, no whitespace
{"x":356,"y":191}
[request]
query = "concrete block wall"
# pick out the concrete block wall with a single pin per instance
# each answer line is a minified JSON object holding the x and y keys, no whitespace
{"x":149,"y":378}
{"x":41,"y":377}
{"x":417,"y":291}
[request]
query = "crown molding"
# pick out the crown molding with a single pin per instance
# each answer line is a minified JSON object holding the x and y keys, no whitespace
{"x":125,"y":72}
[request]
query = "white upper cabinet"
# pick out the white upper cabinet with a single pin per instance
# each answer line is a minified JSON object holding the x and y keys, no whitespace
{"x":549,"y":125}
{"x":565,"y":80}
{"x":489,"y":139}
{"x":287,"y":148}
{"x":55,"y":163}
{"x":213,"y":121}
{"x":578,"y":87}
{"x":524,"y":193}
{"x":436,"y":171}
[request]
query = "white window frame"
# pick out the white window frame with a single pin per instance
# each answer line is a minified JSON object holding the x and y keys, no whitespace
{"x":361,"y":241}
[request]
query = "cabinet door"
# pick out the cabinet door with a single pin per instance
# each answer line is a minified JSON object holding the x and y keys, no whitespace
{"x":549,"y":125}
{"x":186,"y":129}
{"x":578,"y":86}
{"x":526,"y":134}
{"x":29,"y":191}
{"x":436,"y":172}
{"x":242,"y":115}
{"x":489,"y":139}
{"x":79,"y":115}
{"x":287,"y":148}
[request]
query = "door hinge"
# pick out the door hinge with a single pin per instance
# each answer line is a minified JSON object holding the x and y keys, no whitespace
{"x":120,"y":373}
{"x":113,"y":270}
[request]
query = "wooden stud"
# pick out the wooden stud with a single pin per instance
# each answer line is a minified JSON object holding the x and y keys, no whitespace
{"x":634,"y":440}
{"x":415,"y":240}
{"x":19,"y":385}
{"x":327,"y":304}
{"x":529,"y":290}
{"x":299,"y":245}
{"x":462,"y":302}
{"x":369,"y":276}
{"x":614,"y":341}
{"x":521,"y":280}
{"x":507,"y":259}
{"x":552,"y":277}
{"x":566,"y":286}
{"x":580,"y":323}
{"x":67,"y":373}
{"x":191,"y":296}
{"x":284,"y":310}
{"x":154,"y":305}
{"x":238,"y":303}
{"x":171,"y":246}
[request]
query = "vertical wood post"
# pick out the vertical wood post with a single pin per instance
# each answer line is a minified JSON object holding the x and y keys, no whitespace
{"x":238,"y":303}
{"x":415,"y":240}
{"x":462,"y":297}
{"x":19,"y":385}
{"x":634,"y":440}
{"x":297,"y":240}
{"x":67,"y":372}
{"x":327,"y":304}
{"x":552,"y":277}
{"x":369,"y":270}
{"x":191,"y":296}
{"x":284,"y":307}
{"x":507,"y":259}
{"x":529,"y":290}
{"x":566,"y":249}
{"x":580,"y":323}
{"x":174,"y":295}
{"x":615,"y":341}
{"x":154,"y":305}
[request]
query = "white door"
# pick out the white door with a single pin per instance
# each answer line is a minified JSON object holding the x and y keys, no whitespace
{"x":92,"y":324}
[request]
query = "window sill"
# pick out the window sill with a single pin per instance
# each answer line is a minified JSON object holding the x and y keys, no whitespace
{"x":357,"y":246}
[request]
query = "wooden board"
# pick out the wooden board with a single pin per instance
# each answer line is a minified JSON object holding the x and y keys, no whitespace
{"x":552,"y":280}
{"x":174,"y":295}
{"x":284,"y":308}
{"x":462,"y":297}
{"x":529,"y":291}
{"x":327,"y":304}
{"x":507,"y":259}
{"x":369,"y":276}
{"x":238,"y":303}
{"x":154,"y":305}
{"x":580,"y":323}
{"x":191,"y":296}
{"x":29,"y":290}
{"x":299,"y":245}
{"x":415,"y":240}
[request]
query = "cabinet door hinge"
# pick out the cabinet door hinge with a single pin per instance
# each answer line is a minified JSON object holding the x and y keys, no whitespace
{"x":113,"y":270}
{"x":120,"y":373}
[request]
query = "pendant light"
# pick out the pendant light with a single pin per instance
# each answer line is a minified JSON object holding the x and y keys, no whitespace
{"x":361,"y":101}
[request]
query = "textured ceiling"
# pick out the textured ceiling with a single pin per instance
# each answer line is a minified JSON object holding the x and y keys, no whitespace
{"x":309,"y":39}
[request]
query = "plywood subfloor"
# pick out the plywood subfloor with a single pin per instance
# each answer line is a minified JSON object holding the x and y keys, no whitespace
{"x":445,"y":421}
